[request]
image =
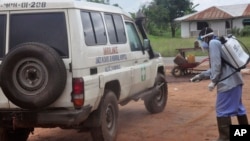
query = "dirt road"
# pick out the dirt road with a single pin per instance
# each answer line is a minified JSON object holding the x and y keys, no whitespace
{"x":189,"y":116}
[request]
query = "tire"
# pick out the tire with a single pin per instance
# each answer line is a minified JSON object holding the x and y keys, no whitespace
{"x":108,"y":109}
{"x":21,"y":134}
{"x":176,"y":71}
{"x":33,"y":75}
{"x":156,"y":103}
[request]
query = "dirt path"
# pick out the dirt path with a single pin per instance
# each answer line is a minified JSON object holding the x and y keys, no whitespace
{"x":189,"y":116}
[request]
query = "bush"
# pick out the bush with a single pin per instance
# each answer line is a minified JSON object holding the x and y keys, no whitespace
{"x":245,"y":31}
{"x":236,"y":31}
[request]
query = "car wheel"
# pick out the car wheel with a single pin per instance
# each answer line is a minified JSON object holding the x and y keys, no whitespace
{"x":176,"y":71}
{"x":156,"y":102}
{"x":33,"y":75}
{"x":108,"y":109}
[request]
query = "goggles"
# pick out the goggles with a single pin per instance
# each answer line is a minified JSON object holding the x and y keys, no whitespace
{"x":206,"y":35}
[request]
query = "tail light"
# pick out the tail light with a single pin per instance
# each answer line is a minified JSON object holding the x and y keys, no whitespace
{"x":78,"y":92}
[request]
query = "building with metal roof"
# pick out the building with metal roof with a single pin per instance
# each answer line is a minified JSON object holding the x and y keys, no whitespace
{"x":222,"y":19}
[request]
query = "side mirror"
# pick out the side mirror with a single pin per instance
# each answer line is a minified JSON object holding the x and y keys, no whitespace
{"x":146,"y":44}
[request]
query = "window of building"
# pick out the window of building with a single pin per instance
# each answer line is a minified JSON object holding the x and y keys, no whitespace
{"x":227,"y":24}
{"x":246,"y":22}
{"x":201,"y":25}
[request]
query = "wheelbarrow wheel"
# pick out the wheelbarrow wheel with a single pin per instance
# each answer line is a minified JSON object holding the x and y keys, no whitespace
{"x":177,"y":71}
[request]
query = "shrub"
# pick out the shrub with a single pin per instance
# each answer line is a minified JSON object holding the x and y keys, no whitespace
{"x":245,"y":31}
{"x":236,"y":31}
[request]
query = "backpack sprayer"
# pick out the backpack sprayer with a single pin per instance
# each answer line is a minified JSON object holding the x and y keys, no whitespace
{"x":238,"y":58}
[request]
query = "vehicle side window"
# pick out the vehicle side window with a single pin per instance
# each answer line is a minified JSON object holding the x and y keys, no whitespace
{"x":134,"y":38}
{"x":2,"y":34}
{"x":93,"y":28}
{"x":115,"y":29}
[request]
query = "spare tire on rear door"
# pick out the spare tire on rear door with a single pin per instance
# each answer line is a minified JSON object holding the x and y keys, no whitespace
{"x":33,"y":75}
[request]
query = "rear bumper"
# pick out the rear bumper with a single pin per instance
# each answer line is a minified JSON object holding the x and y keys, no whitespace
{"x":45,"y":118}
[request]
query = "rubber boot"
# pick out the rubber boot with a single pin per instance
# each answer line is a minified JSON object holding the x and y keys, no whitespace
{"x":223,"y":128}
{"x":242,"y":120}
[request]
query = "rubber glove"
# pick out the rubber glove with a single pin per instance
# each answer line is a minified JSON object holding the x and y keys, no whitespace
{"x":211,"y":86}
{"x":196,"y":78}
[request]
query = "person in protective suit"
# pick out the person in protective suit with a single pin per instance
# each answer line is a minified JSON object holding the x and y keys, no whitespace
{"x":229,"y":90}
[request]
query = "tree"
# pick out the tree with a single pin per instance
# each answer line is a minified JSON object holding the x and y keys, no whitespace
{"x":156,"y":18}
{"x":162,"y":13}
{"x":176,"y":8}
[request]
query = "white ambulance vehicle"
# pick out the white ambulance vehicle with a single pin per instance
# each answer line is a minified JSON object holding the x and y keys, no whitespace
{"x":69,"y":64}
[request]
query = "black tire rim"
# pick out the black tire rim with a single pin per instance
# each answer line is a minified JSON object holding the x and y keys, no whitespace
{"x":30,"y":76}
{"x":176,"y":71}
{"x":110,"y":117}
{"x":161,"y":95}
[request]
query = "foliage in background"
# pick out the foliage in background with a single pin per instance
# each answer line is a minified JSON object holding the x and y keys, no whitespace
{"x":236,"y":31}
{"x":245,"y":31}
{"x":167,"y":46}
{"x":160,"y":15}
{"x":156,"y":19}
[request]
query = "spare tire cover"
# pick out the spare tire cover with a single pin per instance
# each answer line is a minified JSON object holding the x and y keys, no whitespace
{"x":33,"y":75}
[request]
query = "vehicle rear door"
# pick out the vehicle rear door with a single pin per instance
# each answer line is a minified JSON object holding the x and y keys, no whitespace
{"x":3,"y":28}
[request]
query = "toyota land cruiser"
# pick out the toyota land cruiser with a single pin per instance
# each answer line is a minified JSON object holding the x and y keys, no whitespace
{"x":69,"y":64}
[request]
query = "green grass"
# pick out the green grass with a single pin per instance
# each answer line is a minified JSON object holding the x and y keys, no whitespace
{"x":167,"y":46}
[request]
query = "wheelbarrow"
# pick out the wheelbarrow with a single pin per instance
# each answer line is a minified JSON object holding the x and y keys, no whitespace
{"x":183,"y":67}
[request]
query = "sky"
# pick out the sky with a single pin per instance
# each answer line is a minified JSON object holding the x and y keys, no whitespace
{"x":208,"y":3}
{"x":134,"y":5}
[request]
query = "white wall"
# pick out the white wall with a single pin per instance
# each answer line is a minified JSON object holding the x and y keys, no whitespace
{"x":189,"y":29}
{"x":219,"y":27}
{"x":238,"y":23}
{"x":185,"y":30}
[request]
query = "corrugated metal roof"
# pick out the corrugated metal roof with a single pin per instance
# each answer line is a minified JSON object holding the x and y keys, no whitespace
{"x":234,"y":10}
{"x":210,"y":14}
{"x":247,"y":11}
{"x":218,"y":12}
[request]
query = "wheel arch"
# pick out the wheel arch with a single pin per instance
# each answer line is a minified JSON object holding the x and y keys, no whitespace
{"x":161,"y":69}
{"x":114,"y":86}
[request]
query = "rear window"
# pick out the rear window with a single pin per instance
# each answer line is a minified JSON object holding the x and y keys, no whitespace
{"x":2,"y":34}
{"x":46,"y":28}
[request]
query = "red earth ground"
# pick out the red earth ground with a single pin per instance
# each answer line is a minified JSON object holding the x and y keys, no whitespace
{"x":188,"y":116}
